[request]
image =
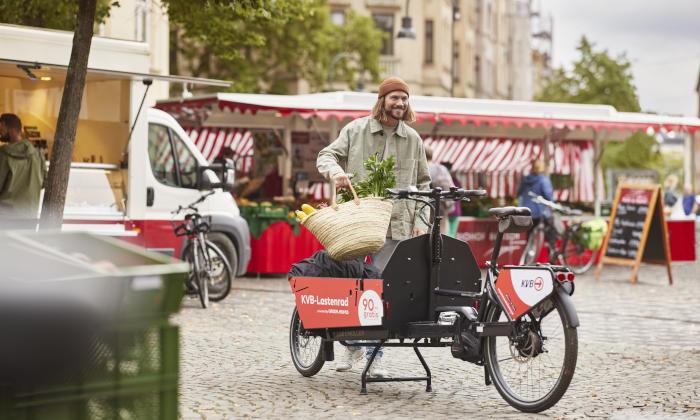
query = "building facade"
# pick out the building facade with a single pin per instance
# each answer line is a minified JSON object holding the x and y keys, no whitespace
{"x":463,"y":48}
{"x":143,"y":21}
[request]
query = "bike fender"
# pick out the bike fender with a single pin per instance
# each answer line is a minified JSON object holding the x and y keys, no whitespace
{"x":567,"y":304}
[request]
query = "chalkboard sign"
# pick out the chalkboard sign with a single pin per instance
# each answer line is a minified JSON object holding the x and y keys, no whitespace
{"x":630,"y":219}
{"x":637,"y":230}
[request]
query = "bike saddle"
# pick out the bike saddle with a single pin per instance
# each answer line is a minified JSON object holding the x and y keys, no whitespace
{"x":501,"y":212}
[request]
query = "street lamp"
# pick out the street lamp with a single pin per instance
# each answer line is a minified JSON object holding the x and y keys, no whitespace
{"x":407,"y":30}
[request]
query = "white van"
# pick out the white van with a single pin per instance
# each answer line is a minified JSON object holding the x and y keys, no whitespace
{"x":136,"y":202}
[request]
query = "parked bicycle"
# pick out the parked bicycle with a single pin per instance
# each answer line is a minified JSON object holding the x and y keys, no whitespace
{"x":575,"y":245}
{"x":210,"y":272}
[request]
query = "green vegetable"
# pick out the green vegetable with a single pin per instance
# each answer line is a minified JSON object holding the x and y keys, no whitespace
{"x":380,"y":176}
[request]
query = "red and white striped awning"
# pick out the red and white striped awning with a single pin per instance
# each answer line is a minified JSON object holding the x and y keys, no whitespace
{"x":498,"y":165}
{"x":501,"y":163}
{"x":212,"y":140}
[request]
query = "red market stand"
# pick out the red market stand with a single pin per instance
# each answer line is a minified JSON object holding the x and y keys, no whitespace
{"x":278,"y":248}
{"x":480,"y":234}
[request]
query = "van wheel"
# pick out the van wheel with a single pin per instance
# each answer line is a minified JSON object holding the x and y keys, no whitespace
{"x":226,"y":246}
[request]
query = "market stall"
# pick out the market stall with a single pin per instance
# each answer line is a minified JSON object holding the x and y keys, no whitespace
{"x":490,"y":143}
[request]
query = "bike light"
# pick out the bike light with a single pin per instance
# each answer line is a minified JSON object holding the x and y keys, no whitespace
{"x":570,"y":276}
{"x":561,"y":276}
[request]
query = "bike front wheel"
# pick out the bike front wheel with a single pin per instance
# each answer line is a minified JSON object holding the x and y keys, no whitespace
{"x":532,"y":247}
{"x":200,"y":275}
{"x":218,"y":273}
{"x":578,"y":258}
{"x":306,"y":349}
{"x":533,"y":368}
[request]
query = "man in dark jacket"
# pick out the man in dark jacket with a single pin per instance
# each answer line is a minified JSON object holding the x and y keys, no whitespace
{"x":22,"y":174}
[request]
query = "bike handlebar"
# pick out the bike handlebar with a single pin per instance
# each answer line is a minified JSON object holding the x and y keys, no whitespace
{"x":192,"y":205}
{"x":453,"y":193}
{"x":555,"y":206}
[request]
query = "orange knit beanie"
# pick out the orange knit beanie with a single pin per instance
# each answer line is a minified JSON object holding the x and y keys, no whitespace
{"x":391,"y":84}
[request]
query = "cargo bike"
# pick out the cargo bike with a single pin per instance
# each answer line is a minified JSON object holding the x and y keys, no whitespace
{"x":519,"y":323}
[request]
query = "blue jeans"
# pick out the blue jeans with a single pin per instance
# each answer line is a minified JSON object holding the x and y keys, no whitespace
{"x":368,"y":349}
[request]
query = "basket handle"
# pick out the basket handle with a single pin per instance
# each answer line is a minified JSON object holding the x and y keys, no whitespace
{"x":334,"y":202}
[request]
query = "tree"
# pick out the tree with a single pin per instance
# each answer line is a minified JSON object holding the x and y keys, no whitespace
{"x":52,"y":14}
{"x":56,"y":182}
{"x":596,"y":78}
{"x":264,"y":45}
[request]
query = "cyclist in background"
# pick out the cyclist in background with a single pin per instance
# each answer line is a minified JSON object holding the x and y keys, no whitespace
{"x":538,"y":183}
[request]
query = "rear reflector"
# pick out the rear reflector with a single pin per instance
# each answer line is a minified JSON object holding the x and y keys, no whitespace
{"x":561,"y":276}
{"x":570,"y":277}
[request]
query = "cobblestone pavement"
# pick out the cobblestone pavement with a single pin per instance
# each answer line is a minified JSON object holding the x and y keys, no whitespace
{"x":639,"y":357}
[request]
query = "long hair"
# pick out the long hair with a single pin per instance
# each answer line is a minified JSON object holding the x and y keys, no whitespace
{"x":379,"y":113}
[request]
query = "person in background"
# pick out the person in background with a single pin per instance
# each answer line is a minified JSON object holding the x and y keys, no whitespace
{"x":22,"y":175}
{"x":383,"y":133}
{"x":453,"y":216}
{"x":441,"y":178}
{"x":670,"y":198}
{"x":690,"y":201}
{"x":538,"y":183}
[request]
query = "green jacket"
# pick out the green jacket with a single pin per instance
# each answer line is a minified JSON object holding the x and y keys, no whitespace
{"x":364,"y":137}
{"x":22,"y":174}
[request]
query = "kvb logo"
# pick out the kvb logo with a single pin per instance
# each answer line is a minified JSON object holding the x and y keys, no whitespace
{"x":370,"y":309}
{"x":536,"y":284}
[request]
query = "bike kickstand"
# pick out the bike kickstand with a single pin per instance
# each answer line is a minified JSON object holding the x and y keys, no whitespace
{"x":363,"y":391}
{"x":428,"y":375}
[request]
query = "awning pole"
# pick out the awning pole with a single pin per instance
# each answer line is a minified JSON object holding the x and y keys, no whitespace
{"x":287,"y":172}
{"x":597,"y":172}
{"x":545,"y":156}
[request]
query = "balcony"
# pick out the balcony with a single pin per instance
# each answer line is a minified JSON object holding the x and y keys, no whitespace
{"x":388,"y":66}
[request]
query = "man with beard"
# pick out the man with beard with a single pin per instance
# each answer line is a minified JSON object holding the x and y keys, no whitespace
{"x":384,"y":133}
{"x":22,"y":174}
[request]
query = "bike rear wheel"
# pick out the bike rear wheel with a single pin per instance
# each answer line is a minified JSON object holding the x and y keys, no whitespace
{"x":307,"y":350}
{"x":532,"y":370}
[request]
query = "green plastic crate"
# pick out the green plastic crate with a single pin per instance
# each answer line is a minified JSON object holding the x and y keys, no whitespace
{"x":132,"y":373}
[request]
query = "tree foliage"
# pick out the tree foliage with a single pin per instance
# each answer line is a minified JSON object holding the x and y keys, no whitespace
{"x":263,"y":45}
{"x":52,"y":14}
{"x":596,"y":78}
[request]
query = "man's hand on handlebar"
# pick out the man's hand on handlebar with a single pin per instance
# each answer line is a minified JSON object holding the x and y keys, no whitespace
{"x":341,"y":180}
{"x":418,"y":232}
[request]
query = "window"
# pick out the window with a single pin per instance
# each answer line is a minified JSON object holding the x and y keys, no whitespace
{"x":141,"y":20}
{"x":172,"y":162}
{"x":186,"y":162}
{"x":338,"y":17}
{"x":160,"y":153}
{"x":477,"y":72}
{"x":455,"y":62}
{"x":428,"y":53}
{"x":385,"y":23}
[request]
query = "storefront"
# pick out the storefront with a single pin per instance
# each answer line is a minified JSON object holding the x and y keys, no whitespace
{"x":489,"y":144}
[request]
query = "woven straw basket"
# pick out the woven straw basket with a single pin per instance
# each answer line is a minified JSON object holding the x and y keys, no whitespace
{"x":353,"y":229}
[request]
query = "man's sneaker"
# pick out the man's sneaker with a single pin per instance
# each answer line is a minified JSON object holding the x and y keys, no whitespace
{"x":377,"y":369}
{"x":348,"y":358}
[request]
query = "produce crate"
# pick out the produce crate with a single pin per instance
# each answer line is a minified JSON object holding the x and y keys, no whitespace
{"x":131,"y":373}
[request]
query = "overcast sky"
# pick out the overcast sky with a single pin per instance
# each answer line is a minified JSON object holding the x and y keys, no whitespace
{"x":661,"y":38}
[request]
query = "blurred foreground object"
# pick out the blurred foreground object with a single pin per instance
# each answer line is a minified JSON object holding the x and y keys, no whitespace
{"x":84,"y":321}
